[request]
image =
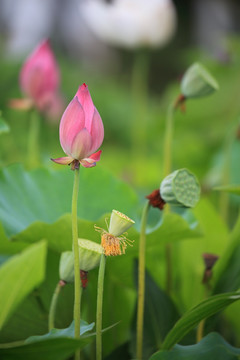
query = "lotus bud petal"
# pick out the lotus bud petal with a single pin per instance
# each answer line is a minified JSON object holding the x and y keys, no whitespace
{"x":180,"y":188}
{"x":81,"y":129}
{"x":89,"y":254}
{"x":198,"y":82}
{"x":119,"y":223}
{"x":39,"y":77}
{"x":66,"y":267}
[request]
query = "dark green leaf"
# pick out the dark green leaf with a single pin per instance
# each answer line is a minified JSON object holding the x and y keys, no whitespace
{"x":7,"y":246}
{"x":19,"y":275}
{"x":62,"y":333}
{"x":212,"y":347}
{"x":120,"y":353}
{"x":45,"y":195}
{"x":188,"y":254}
{"x":31,"y":316}
{"x":57,"y":348}
{"x":173,"y":228}
{"x":227,"y":269}
{"x":191,"y":318}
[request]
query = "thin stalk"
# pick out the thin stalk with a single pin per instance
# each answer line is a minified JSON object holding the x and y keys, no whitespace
{"x":224,"y":196}
{"x":141,"y":281}
{"x":168,"y":252}
{"x":33,"y":139}
{"x":140,"y":99}
{"x":200,"y":330}
{"x":101,"y":274}
{"x":53,"y":306}
{"x":167,"y":167}
{"x":77,"y":284}
{"x":168,"y":137}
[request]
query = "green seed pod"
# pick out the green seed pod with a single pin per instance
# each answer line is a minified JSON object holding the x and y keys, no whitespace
{"x":198,"y":82}
{"x":180,"y":188}
{"x":89,"y":254}
{"x":119,"y":223}
{"x":66,"y":267}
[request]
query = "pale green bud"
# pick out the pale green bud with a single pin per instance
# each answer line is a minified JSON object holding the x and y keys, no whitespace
{"x":180,"y":188}
{"x":198,"y":82}
{"x":89,"y":254}
{"x":66,"y":267}
{"x":119,"y":223}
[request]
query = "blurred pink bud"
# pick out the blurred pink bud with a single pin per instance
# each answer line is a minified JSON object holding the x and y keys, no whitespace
{"x":81,"y":130}
{"x":39,"y":77}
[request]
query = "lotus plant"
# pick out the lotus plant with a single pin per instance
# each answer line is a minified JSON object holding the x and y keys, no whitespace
{"x":40,"y":78}
{"x":81,"y":133}
{"x":114,"y":242}
{"x":180,"y":188}
{"x":89,"y":255}
{"x":39,"y":82}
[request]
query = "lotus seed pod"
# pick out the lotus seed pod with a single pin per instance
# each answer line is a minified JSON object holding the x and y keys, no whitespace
{"x":198,"y":82}
{"x":180,"y":188}
{"x":89,"y":254}
{"x":66,"y":267}
{"x":119,"y":223}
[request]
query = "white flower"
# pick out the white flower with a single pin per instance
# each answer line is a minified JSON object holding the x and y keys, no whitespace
{"x":131,"y":23}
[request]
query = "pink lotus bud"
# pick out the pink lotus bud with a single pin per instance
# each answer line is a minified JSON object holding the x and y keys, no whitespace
{"x":81,"y":131}
{"x":39,"y":77}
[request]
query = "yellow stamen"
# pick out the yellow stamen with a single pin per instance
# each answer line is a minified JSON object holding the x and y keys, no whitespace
{"x":112,"y":245}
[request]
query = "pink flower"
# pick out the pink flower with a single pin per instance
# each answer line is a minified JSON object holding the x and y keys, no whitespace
{"x":39,"y":78}
{"x":81,"y":131}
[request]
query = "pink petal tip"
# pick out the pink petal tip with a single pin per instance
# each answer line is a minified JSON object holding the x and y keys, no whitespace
{"x":63,"y":160}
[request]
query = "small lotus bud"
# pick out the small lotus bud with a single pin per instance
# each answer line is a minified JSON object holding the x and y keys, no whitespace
{"x":89,"y":254}
{"x":180,"y":188}
{"x":198,"y":82}
{"x":66,"y":267}
{"x":119,"y":223}
{"x":209,"y":261}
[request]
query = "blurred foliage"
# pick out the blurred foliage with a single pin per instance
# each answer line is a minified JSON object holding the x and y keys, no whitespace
{"x":35,"y":204}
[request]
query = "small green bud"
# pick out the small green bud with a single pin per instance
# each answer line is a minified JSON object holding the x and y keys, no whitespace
{"x":89,"y":254}
{"x":180,"y":188}
{"x":66,"y":267}
{"x":119,"y":223}
{"x":198,"y":82}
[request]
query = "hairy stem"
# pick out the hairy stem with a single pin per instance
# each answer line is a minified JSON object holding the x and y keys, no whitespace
{"x":77,"y":284}
{"x":53,"y":306}
{"x":33,"y":140}
{"x":167,"y":167}
{"x":99,"y":307}
{"x":140,"y":99}
{"x":141,"y":281}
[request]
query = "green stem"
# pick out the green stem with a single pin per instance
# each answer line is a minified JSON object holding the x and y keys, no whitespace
{"x":224,"y":196}
{"x":167,"y":167}
{"x":33,"y":139}
{"x":168,"y":252}
{"x":53,"y":306}
{"x":168,"y":137}
{"x":140,"y":99}
{"x":99,"y":307}
{"x":77,"y":284}
{"x":200,"y":330}
{"x":141,"y":281}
